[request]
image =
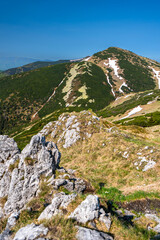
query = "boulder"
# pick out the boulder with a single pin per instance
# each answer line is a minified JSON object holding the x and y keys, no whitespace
{"x":70,"y":183}
{"x":89,"y":234}
{"x":12,"y":219}
{"x":156,"y":219}
{"x":31,"y":232}
{"x":59,"y":202}
{"x":105,"y":218}
{"x":87,"y":210}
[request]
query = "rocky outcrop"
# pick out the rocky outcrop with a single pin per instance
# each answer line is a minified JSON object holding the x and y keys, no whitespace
{"x":8,"y":148}
{"x":24,"y":174}
{"x":90,"y":234}
{"x":21,"y":177}
{"x":72,"y":127}
{"x":59,"y":202}
{"x":9,"y":154}
{"x":89,"y":210}
{"x":6,"y":234}
{"x":69,"y":182}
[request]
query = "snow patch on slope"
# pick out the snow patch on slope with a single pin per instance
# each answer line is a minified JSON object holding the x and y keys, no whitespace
{"x":112,"y":64}
{"x":133,"y":111}
{"x":157,"y":75}
{"x":86,"y":59}
{"x":110,"y":85}
{"x":127,"y":96}
{"x":123,"y":85}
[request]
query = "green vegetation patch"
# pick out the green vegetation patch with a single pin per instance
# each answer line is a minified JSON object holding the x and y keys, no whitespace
{"x":98,"y":91}
{"x":147,"y":120}
{"x":115,"y":195}
{"x":138,"y":99}
{"x":21,"y":95}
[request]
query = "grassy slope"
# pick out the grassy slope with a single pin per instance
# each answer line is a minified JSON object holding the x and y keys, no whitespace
{"x":102,"y":159}
{"x":97,"y":89}
{"x":150,"y":119}
{"x":21,"y":95}
{"x":24,"y":94}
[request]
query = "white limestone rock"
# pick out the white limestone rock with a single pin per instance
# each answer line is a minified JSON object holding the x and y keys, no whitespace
{"x":155,"y":218}
{"x":46,"y":129}
{"x":105,"y":218}
{"x":72,"y":184}
{"x":8,"y":148}
{"x":22,"y":183}
{"x":9,"y":154}
{"x":87,"y":210}
{"x":5,"y":235}
{"x":31,"y":232}
{"x":71,"y":136}
{"x":12,"y":219}
{"x":60,"y":200}
{"x":89,"y":234}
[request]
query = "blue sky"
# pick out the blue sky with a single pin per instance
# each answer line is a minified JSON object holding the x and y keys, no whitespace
{"x":51,"y":29}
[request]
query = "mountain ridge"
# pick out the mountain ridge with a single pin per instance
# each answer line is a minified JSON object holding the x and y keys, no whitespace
{"x":93,"y":82}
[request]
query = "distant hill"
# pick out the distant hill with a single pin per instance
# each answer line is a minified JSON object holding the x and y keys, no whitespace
{"x":32,"y":66}
{"x":12,"y":62}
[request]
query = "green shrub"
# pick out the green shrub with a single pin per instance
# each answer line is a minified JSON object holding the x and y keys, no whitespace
{"x":147,"y":120}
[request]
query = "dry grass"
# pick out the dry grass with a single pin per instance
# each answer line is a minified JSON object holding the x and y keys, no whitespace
{"x":26,"y":217}
{"x":60,"y":228}
{"x":3,"y":222}
{"x":3,"y":200}
{"x":124,"y":232}
{"x":101,"y":160}
{"x":29,"y":161}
